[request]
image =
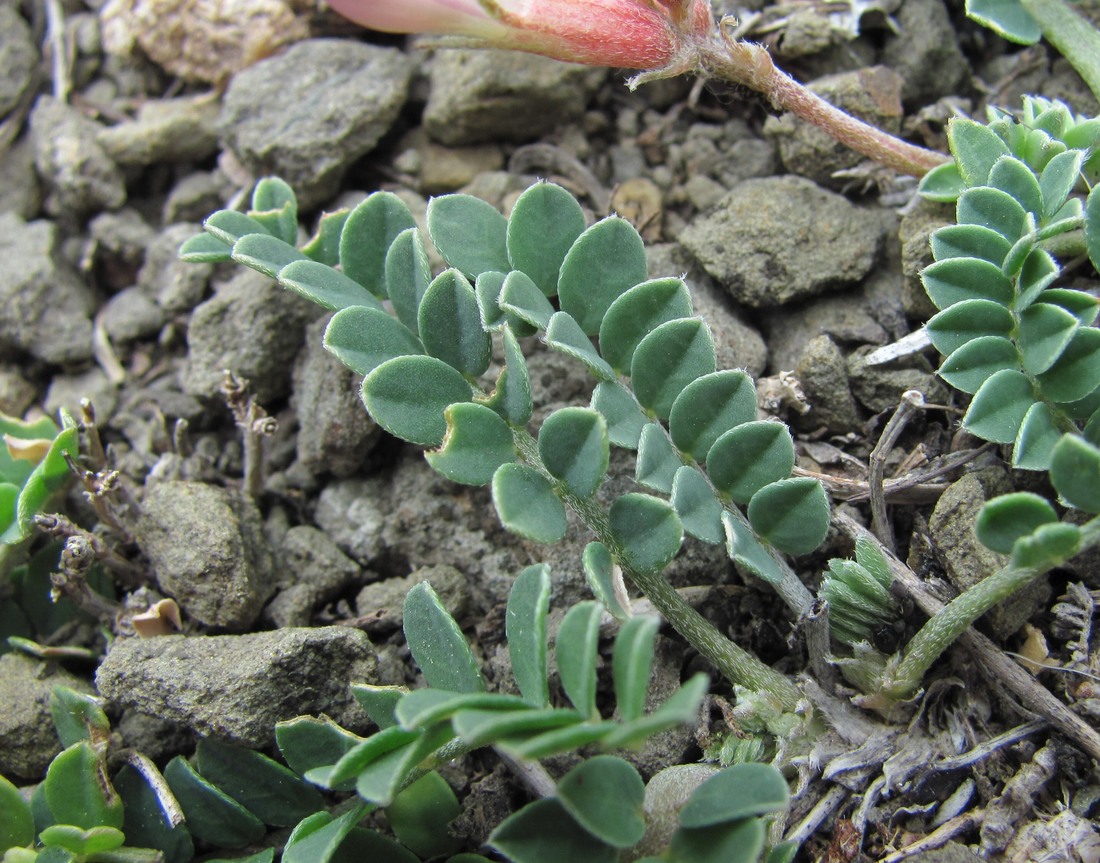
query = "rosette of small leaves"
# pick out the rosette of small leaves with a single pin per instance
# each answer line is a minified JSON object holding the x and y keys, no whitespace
{"x":33,"y":470}
{"x":597,"y":810}
{"x":542,"y":271}
{"x":861,"y":605}
{"x":79,"y":814}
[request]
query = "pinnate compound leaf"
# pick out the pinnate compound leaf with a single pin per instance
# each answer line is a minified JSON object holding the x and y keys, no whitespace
{"x":521,"y":298}
{"x":956,"y":279}
{"x":1092,"y":228}
{"x":408,"y":395}
{"x":1005,"y":519}
{"x":999,"y":407}
{"x":976,"y":148}
{"x":734,"y":842}
{"x":525,"y":626}
{"x":625,"y":419}
{"x":469,"y":233}
{"x":265,"y":254}
{"x":544,"y":223}
{"x":477,"y":442}
{"x":792,"y":514}
{"x":1075,"y":473}
{"x":1009,"y":19}
{"x":745,"y":550}
{"x":668,"y":359}
{"x":1038,"y":436}
{"x":576,"y":649}
{"x":78,"y":792}
{"x":545,"y":832}
{"x":970,"y":241}
{"x":749,"y":457}
{"x":408,"y":275}
{"x":648,"y":530}
{"x":325,"y":286}
{"x":604,"y":794}
{"x":212,"y":815}
{"x":264,"y":787}
{"x":511,"y":398}
{"x":943,"y":183}
{"x":1076,"y":372}
{"x":606,"y":584}
{"x":449,"y":323}
{"x":437,"y":644}
{"x":741,"y":791}
{"x":368,"y":232}
{"x":604,"y":262}
{"x":708,"y":407}
{"x":994,"y":209}
{"x":575,"y":449}
{"x":527,"y":505}
{"x":632,"y":663}
{"x":695,"y":503}
{"x":657,"y":460}
{"x":636,"y":313}
{"x":958,"y":325}
{"x":363,"y":338}
{"x":1045,"y":331}
{"x":976,"y":361}
{"x":419,"y":816}
{"x":565,"y":335}
{"x":16,"y":821}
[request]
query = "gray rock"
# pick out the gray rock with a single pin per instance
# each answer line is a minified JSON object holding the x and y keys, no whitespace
{"x":46,"y":306}
{"x":118,"y":243}
{"x":196,"y":196}
{"x":78,"y":174}
{"x":312,"y":570}
{"x":18,"y":57}
{"x":251,"y":327}
{"x":16,"y":392}
{"x":156,"y":738}
{"x":480,"y":96}
{"x":879,"y":388}
{"x":925,"y":53}
{"x":967,"y":561}
{"x":20,"y":192}
{"x":383,"y":601}
{"x":208,"y":551}
{"x":236,"y":687}
{"x":130,"y":316}
{"x":777,"y":240}
{"x":824,"y":377}
{"x":67,"y":391}
{"x":352,"y":512}
{"x":872,"y":94}
{"x":28,"y":741}
{"x":335,"y":433}
{"x":915,"y":232}
{"x":175,"y":285}
{"x":310,"y":112}
{"x":165,"y":130}
{"x":727,"y":154}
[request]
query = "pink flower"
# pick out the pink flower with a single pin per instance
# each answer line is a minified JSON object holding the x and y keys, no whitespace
{"x":629,"y":34}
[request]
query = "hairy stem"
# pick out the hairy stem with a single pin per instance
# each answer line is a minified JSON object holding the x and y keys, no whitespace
{"x":957,"y":616}
{"x":750,"y":65}
{"x":735,"y":664}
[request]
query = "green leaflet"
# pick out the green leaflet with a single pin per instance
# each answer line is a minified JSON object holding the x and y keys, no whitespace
{"x":324,"y":247}
{"x":1075,"y":472}
{"x":419,"y":816}
{"x":363,"y":338}
{"x":1005,"y":519}
{"x":648,"y":530}
{"x":994,"y":209}
{"x":1035,"y":442}
{"x":1076,"y":372}
{"x":525,"y":627}
{"x":792,"y":514}
{"x":999,"y":406}
{"x":575,"y":449}
{"x":736,"y":842}
{"x":657,"y":460}
{"x":976,"y":148}
{"x":228,"y":226}
{"x":407,"y":396}
{"x":477,"y":442}
{"x":707,"y":408}
{"x":636,"y":313}
{"x":522,"y":298}
{"x":605,"y":261}
{"x":632,"y":664}
{"x":668,"y":359}
{"x":625,"y":418}
{"x":976,"y":361}
{"x":321,"y":284}
{"x":437,"y":644}
{"x":16,"y":821}
{"x":449,"y":323}
{"x":564,"y":334}
{"x":604,"y":794}
{"x":545,"y":222}
{"x":740,"y":791}
{"x":953,"y":280}
{"x":266,"y":254}
{"x":606,"y":584}
{"x":275,"y":206}
{"x":1016,"y":179}
{"x":749,"y":457}
{"x":576,"y":649}
{"x":527,"y":505}
{"x":469,"y":233}
{"x":511,"y":397}
{"x":960,"y":324}
{"x":1045,"y":332}
{"x":408,"y":276}
{"x":970,"y":241}
{"x":699,"y":511}
{"x":545,"y":832}
{"x":368,"y":232}
{"x":212,"y":815}
{"x":1009,"y":19}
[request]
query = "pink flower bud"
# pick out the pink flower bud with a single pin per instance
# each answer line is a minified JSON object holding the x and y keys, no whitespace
{"x":630,"y":34}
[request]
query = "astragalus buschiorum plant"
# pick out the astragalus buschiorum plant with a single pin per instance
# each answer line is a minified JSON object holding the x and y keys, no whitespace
{"x":425,"y":342}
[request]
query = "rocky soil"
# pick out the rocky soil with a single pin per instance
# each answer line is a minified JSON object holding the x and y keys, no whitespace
{"x":120,"y":133}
